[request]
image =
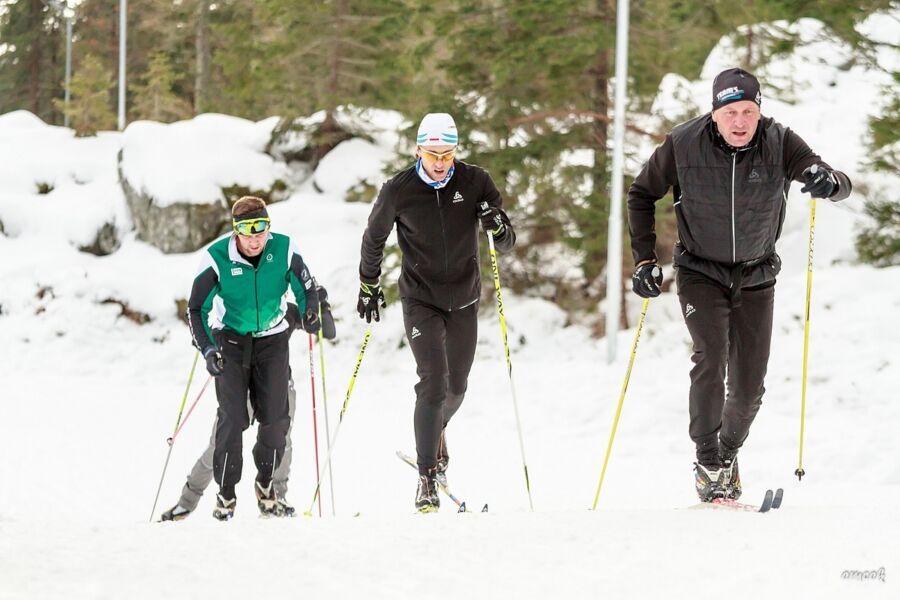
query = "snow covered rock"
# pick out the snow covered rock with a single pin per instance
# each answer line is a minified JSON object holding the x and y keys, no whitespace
{"x":180,"y":179}
{"x":36,"y":157}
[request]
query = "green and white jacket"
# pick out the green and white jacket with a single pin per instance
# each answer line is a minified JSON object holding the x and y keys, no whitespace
{"x":230,"y":294}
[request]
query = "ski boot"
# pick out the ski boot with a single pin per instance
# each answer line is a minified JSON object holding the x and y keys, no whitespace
{"x":267,"y":500}
{"x":427,"y":500}
{"x":710,"y":481}
{"x":443,"y":461}
{"x":285,"y":508}
{"x":176,"y":513}
{"x":733,"y":476}
{"x":224,"y":509}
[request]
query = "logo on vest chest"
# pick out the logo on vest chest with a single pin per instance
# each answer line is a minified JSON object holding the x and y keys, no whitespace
{"x":235,"y":271}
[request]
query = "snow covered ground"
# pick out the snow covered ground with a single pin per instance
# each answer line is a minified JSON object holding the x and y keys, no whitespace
{"x":89,"y":399}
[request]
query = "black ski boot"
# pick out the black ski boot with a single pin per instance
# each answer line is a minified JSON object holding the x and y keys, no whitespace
{"x":176,"y":513}
{"x":710,"y":481}
{"x":733,"y":477}
{"x":427,"y":499}
{"x":443,"y":460}
{"x":267,"y":500}
{"x":224,"y":509}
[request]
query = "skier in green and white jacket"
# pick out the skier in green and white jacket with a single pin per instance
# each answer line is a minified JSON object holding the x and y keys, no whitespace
{"x":237,"y":312}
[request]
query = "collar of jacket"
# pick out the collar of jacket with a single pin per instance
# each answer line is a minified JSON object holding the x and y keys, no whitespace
{"x":720,"y":142}
{"x":420,"y":171}
{"x":235,"y":255}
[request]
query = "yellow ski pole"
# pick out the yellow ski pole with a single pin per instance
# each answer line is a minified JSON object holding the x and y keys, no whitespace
{"x":171,"y":439}
{"x":325,"y":408}
{"x":615,"y":425}
{"x":337,"y":429}
{"x":496,"y":271}
{"x":809,"y":273}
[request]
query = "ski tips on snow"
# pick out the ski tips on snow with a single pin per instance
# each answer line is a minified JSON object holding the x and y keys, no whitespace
{"x":771,"y":500}
{"x":779,"y":496}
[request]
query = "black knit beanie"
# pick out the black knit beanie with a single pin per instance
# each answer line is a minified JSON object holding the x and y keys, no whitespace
{"x":734,"y":85}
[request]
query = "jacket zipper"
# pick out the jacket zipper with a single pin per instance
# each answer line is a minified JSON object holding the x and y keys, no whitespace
{"x":437,"y":194}
{"x":733,"y":241}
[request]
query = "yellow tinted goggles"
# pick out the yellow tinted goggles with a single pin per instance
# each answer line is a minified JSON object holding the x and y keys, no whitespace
{"x":436,"y":156}
{"x":251,"y":226}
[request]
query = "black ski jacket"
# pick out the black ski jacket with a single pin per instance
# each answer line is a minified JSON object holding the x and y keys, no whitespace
{"x":729,"y":202}
{"x":437,"y":231}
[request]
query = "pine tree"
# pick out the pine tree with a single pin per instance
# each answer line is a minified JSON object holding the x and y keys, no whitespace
{"x":31,"y":58}
{"x":89,"y":109}
{"x":153,"y":26}
{"x":155,"y":98}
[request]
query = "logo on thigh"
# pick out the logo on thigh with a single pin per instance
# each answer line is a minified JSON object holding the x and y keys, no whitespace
{"x":414,"y":333}
{"x":689,"y":310}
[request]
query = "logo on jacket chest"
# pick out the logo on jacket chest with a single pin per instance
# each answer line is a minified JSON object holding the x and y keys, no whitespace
{"x":235,"y":271}
{"x":753,"y":177}
{"x":457,"y":197}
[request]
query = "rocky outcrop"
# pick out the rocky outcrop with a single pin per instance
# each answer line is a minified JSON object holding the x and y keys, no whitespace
{"x":177,"y":227}
{"x":106,"y":242}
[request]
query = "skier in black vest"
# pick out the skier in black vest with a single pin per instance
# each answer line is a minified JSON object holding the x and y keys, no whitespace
{"x":730,"y":171}
{"x":437,"y":204}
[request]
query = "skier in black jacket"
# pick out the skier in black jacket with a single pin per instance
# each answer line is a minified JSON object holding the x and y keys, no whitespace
{"x":437,"y":205}
{"x":730,"y":171}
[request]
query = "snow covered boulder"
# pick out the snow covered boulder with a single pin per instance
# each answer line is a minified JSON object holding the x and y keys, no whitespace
{"x":346,"y":154}
{"x":180,"y":179}
{"x":36,"y":158}
{"x":352,"y":164}
{"x":57,"y":186}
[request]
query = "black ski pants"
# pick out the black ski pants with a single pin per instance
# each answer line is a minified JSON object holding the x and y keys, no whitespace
{"x":443,"y":344}
{"x":258,"y":367}
{"x":731,"y":339}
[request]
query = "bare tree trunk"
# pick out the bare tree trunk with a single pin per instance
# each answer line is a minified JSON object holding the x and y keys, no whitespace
{"x":329,"y":134}
{"x":34,"y":59}
{"x":201,"y":83}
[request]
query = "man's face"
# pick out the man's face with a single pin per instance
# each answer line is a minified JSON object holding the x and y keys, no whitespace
{"x":737,"y":122}
{"x":252,"y":245}
{"x":437,"y":160}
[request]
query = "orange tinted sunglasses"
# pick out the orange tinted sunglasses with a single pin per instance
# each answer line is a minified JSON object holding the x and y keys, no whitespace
{"x":435,"y":156}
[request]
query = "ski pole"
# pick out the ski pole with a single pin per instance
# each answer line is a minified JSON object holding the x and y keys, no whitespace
{"x":809,"y":273}
{"x":325,"y":408}
{"x":337,"y":429}
{"x":312,"y":385}
{"x":496,"y":272}
{"x":615,"y":425}
{"x":177,"y":423}
{"x":171,"y":440}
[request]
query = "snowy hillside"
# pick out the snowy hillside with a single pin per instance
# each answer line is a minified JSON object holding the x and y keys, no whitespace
{"x":89,"y":398}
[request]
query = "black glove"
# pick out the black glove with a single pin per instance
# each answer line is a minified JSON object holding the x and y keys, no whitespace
{"x":370,"y":296}
{"x":328,"y":329}
{"x":646,"y":280}
{"x":491,"y":219}
{"x":311,"y":322}
{"x":820,"y":182}
{"x":292,"y":316}
{"x":215,"y":362}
